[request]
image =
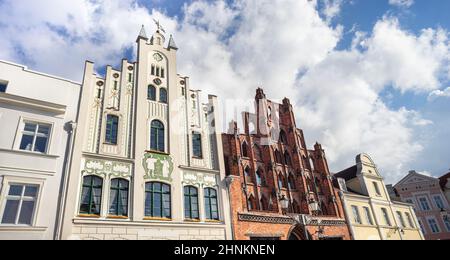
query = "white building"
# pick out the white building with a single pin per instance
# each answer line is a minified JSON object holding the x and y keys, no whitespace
{"x":147,"y":160}
{"x":36,"y":112}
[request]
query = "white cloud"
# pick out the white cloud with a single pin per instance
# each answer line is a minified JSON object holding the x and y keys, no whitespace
{"x":402,"y":3}
{"x":439,"y":93}
{"x":230,"y":49}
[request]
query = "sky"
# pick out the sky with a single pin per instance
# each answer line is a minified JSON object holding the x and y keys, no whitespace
{"x":364,"y":76}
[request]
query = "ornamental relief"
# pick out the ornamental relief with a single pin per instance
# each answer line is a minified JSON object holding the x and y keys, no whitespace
{"x":158,"y":166}
{"x":200,"y":179}
{"x":107,"y":168}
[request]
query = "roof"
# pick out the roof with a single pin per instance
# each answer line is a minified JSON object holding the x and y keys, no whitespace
{"x":347,"y":174}
{"x":443,"y":180}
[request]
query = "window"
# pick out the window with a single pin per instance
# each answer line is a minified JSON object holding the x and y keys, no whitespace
{"x":356,"y":216}
{"x":211,"y":207}
{"x":422,"y":228}
{"x":118,"y":198}
{"x":424,"y":204}
{"x":287,"y":158}
{"x":447,"y":224}
{"x":410,"y":221}
{"x":157,"y":200}
{"x":281,"y":181}
{"x":264,"y":205}
{"x":20,"y":204}
{"x":401,"y":221}
{"x":295,"y":206}
{"x":130,"y":77}
{"x":245,"y":150}
{"x":115,"y":85}
{"x":433,"y":225}
{"x":260,"y":179}
{"x":291,"y":182}
{"x":197,"y":145}
{"x":377,"y":189}
{"x":278,"y":157}
{"x":163,"y":95}
{"x":439,"y":202}
{"x":283,"y":137}
{"x":151,"y":93}
{"x":387,"y":220}
{"x":91,"y":195}
{"x":35,"y":137}
{"x":157,"y":138}
{"x":248,"y":175}
{"x":99,"y":93}
{"x":368,"y":216}
{"x":162,"y":73}
{"x":112,"y":127}
{"x":153,"y":70}
{"x":191,"y":203}
{"x":3,"y":86}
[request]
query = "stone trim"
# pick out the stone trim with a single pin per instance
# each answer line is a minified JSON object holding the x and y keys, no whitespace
{"x":265,"y":219}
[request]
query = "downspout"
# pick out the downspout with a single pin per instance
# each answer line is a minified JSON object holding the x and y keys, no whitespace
{"x":70,"y":127}
{"x":344,"y":205}
{"x":228,"y":182}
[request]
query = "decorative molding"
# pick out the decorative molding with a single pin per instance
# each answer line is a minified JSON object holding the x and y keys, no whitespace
{"x":158,"y":166}
{"x":107,"y":168}
{"x":200,"y":179}
{"x":32,"y":103}
{"x":265,"y":219}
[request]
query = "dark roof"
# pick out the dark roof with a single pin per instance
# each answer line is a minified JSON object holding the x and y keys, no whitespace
{"x":443,"y":180}
{"x":347,"y":174}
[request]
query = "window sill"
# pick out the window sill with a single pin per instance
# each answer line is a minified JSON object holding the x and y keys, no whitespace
{"x":117,"y":217}
{"x":213,"y":221}
{"x":157,"y":219}
{"x":88,"y":216}
{"x":157,"y":152}
{"x":30,"y":153}
{"x":196,"y":157}
{"x":193,"y":220}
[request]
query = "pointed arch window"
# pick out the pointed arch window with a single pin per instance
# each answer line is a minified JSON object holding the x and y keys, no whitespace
{"x":281,"y":181}
{"x":151,"y":93}
{"x":191,"y":203}
{"x":258,"y":153}
{"x":153,"y":70}
{"x":291,"y":182}
{"x":251,"y":203}
{"x":260,"y":178}
{"x":264,"y":203}
{"x":245,"y":150}
{"x":287,"y":158}
{"x":283,"y":137}
{"x":278,"y":157}
{"x":157,"y":138}
{"x":91,"y":195}
{"x":163,"y":95}
{"x":118,"y":198}
{"x":157,"y":200}
{"x":248,"y":175}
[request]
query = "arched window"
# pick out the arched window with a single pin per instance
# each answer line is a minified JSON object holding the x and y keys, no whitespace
{"x":264,"y":203}
{"x":157,"y":200}
{"x":197,"y":145}
{"x":191,"y":203}
{"x":118,"y":198}
{"x":291,"y":182}
{"x":318,"y":185}
{"x":258,"y":153}
{"x":295,"y":206}
{"x":112,"y":126}
{"x":251,"y":203}
{"x":157,"y":138}
{"x":91,"y":195}
{"x":278,"y":157}
{"x":163,"y":95}
{"x":151,"y":93}
{"x":287,"y":158}
{"x":245,"y":150}
{"x":283,"y":137}
{"x":153,"y":70}
{"x":248,"y":175}
{"x":281,"y":181}
{"x":211,"y":206}
{"x":260,"y":178}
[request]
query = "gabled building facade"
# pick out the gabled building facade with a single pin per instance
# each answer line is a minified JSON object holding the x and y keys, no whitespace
{"x":37,"y":115}
{"x":147,"y":162}
{"x":370,"y":212}
{"x":278,"y":188}
{"x":430,"y":204}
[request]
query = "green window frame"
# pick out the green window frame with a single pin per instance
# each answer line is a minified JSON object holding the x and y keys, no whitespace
{"x":118,"y":197}
{"x":191,"y":207}
{"x":112,"y":129}
{"x":197,"y":145}
{"x":157,"y":136}
{"x":158,"y":200}
{"x":163,"y":95}
{"x":211,"y":204}
{"x":91,"y":195}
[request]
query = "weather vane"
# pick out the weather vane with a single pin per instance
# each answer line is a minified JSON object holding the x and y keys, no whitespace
{"x":158,"y":25}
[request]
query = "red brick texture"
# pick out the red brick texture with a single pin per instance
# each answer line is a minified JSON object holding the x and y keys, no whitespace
{"x":270,"y":161}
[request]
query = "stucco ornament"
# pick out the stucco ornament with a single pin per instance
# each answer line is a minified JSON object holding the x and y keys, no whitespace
{"x":158,"y":166}
{"x":107,"y":168}
{"x":200,"y":179}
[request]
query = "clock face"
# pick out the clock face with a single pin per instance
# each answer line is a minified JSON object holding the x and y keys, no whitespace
{"x":158,"y":57}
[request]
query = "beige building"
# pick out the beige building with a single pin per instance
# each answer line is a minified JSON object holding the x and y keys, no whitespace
{"x":147,"y":162}
{"x":371,"y":213}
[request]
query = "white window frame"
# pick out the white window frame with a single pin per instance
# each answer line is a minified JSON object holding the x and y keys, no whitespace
{"x":13,"y":180}
{"x":422,"y":226}
{"x":21,"y":129}
{"x":420,"y":203}
{"x":368,"y":215}
{"x":431,"y":227}
{"x":356,"y":215}
{"x":436,"y":204}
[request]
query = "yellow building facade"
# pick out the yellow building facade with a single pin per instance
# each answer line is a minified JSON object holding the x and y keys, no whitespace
{"x":370,"y":212}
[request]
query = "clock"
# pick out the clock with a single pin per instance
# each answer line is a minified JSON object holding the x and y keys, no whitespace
{"x":158,"y":57}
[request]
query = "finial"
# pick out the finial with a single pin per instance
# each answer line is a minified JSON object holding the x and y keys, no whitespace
{"x":158,"y":26}
{"x":142,"y":33}
{"x":172,"y":44}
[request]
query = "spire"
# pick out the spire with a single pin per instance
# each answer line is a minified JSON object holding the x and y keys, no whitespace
{"x":142,"y":33}
{"x":172,"y":44}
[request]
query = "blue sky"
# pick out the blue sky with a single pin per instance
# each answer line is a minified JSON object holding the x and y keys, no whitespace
{"x":364,"y":75}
